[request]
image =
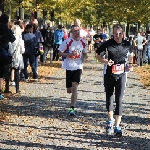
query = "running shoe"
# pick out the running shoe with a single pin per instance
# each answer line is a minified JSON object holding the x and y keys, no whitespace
{"x":118,"y":132}
{"x":36,"y":80}
{"x":13,"y":83}
{"x":109,"y":128}
{"x":72,"y":112}
{"x":1,"y":96}
{"x":26,"y":80}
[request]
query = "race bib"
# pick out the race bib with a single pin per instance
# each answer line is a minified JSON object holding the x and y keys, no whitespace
{"x":76,"y":56}
{"x":118,"y":69}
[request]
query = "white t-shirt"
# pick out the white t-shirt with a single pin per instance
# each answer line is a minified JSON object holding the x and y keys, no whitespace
{"x":69,"y":45}
{"x":92,"y":32}
{"x":84,"y":33}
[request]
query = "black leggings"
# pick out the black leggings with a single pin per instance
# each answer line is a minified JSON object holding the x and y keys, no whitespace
{"x":110,"y":82}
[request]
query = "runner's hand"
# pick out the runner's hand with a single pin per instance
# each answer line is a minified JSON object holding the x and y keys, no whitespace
{"x":110,"y":62}
{"x":74,"y":53}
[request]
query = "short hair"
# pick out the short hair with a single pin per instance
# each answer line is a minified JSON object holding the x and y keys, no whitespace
{"x":73,"y":26}
{"x":17,"y":22}
{"x":118,"y":26}
{"x":28,"y":27}
{"x":59,"y":26}
{"x":4,"y":18}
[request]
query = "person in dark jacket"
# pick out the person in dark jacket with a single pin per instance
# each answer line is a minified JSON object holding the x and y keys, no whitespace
{"x":39,"y":40}
{"x":30,"y":51}
{"x":6,"y":36}
{"x":49,"y":39}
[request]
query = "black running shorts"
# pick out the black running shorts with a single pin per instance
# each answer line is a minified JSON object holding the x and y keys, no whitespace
{"x":72,"y":76}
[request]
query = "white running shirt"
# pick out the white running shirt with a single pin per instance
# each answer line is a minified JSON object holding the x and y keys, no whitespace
{"x":70,"y":45}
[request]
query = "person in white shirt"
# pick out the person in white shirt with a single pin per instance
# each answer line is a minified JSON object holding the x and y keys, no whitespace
{"x":83,"y":33}
{"x":90,"y":42}
{"x":73,"y":51}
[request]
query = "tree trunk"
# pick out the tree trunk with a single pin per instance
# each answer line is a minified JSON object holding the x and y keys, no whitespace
{"x":10,"y":11}
{"x":2,"y":6}
{"x":127,"y":29}
{"x":139,"y":25}
{"x":21,"y":13}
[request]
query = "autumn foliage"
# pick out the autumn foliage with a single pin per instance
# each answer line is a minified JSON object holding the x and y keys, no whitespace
{"x":144,"y":73}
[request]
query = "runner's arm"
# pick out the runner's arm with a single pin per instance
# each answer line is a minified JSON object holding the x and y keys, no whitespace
{"x":63,"y":51}
{"x":101,"y":52}
{"x":67,"y":54}
{"x":102,"y":59}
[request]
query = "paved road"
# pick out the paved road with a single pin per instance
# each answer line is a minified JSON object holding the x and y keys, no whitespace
{"x":40,"y":121}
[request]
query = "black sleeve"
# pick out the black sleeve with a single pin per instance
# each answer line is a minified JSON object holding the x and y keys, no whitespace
{"x":52,"y":39}
{"x":102,"y":49}
{"x":12,"y":37}
{"x":95,"y":37}
{"x":45,"y":38}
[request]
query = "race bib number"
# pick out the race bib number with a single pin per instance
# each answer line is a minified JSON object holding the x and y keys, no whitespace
{"x":76,"y":56}
{"x":118,"y":69}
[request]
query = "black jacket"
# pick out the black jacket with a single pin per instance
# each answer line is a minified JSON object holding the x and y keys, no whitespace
{"x":6,"y":36}
{"x":49,"y":38}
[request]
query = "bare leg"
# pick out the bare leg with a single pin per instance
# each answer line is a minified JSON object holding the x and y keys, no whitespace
{"x":74,"y":93}
{"x":117,"y":120}
{"x":12,"y":75}
{"x":1,"y":84}
{"x":110,"y":115}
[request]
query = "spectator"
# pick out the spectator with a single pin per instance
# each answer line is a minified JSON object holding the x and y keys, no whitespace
{"x":148,"y":46}
{"x":58,"y":39}
{"x":65,"y":33}
{"x":139,"y":42}
{"x":30,"y":51}
{"x":49,"y":39}
{"x":6,"y":36}
{"x":39,"y":40}
{"x":17,"y":49}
